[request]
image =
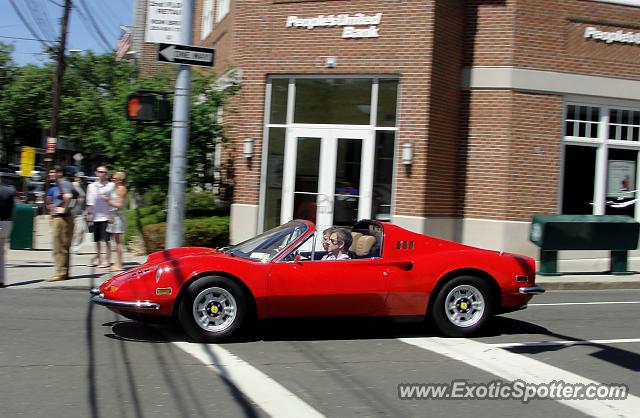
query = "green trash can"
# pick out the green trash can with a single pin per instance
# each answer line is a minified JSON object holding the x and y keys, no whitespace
{"x":22,"y":229}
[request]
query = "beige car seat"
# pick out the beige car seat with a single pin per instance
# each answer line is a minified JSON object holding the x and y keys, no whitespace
{"x":364,"y":244}
{"x":356,"y":236}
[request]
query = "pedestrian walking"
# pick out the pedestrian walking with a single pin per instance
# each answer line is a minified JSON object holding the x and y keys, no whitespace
{"x":7,"y":207}
{"x":117,"y":222}
{"x":64,"y":202}
{"x":98,"y":194}
{"x":79,"y":220}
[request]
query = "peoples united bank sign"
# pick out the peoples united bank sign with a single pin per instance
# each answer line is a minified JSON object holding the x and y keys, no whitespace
{"x":353,"y":26}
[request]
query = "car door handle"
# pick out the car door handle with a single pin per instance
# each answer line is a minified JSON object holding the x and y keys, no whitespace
{"x":402,"y":265}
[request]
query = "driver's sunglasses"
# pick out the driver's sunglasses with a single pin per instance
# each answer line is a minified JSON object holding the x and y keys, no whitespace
{"x":335,"y":241}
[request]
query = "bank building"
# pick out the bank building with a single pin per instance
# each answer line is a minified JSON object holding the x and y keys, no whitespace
{"x":457,"y":119}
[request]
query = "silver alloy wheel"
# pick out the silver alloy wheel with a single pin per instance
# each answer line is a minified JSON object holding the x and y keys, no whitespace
{"x":464,"y":305}
{"x":214,"y":309}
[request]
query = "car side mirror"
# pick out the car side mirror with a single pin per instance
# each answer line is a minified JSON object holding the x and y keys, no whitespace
{"x":298,"y":259}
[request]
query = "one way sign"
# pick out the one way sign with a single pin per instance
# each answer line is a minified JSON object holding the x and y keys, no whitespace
{"x":186,"y":54}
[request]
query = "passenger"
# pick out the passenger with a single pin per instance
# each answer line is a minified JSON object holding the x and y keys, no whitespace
{"x":326,"y":236}
{"x":339,"y":243}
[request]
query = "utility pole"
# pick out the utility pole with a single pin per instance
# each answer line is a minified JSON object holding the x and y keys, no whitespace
{"x":57,"y":85}
{"x":180,"y":139}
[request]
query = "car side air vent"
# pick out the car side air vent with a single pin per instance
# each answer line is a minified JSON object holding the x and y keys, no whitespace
{"x":404,"y":245}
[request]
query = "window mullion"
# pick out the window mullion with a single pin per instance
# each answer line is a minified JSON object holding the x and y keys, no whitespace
{"x":600,"y":189}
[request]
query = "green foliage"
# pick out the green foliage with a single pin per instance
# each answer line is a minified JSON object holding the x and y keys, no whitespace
{"x":154,"y":237}
{"x":7,"y":66}
{"x":138,"y":218}
{"x":154,"y":195}
{"x":93,"y":115}
{"x":209,"y":232}
{"x":199,"y":204}
{"x":26,"y":101}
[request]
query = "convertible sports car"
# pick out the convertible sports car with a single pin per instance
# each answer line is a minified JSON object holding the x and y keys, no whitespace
{"x":215,"y":293}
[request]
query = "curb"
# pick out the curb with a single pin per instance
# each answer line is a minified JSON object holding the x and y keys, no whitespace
{"x":589,"y":285}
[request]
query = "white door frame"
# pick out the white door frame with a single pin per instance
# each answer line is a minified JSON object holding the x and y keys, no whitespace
{"x":327,"y":169}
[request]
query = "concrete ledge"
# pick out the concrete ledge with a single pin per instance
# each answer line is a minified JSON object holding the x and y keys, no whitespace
{"x":589,"y":282}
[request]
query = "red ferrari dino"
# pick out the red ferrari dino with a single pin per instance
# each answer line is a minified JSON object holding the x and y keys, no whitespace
{"x":215,"y":293}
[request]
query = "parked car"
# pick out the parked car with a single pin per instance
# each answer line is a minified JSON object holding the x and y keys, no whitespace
{"x":215,"y":293}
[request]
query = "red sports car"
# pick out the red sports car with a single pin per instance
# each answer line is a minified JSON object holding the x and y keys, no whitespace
{"x":215,"y":293}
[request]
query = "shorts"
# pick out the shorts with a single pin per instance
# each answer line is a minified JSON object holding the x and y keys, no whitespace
{"x":100,"y":231}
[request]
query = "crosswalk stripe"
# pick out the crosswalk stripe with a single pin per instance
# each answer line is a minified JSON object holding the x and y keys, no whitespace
{"x":271,"y":396}
{"x":511,"y":367}
{"x":566,"y":342}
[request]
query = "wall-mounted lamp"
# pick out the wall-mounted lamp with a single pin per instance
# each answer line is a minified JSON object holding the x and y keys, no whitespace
{"x":407,"y":153}
{"x":330,"y":62}
{"x":247,"y":149}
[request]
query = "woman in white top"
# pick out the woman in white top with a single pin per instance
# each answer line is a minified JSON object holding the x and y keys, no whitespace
{"x":117,"y":222}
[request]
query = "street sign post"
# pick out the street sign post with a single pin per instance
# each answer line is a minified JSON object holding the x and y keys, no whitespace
{"x":27,"y":161}
{"x":186,"y":54}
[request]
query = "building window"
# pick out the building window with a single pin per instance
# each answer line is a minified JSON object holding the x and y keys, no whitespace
{"x":275,"y":164}
{"x":601,"y":151}
{"x":383,"y":175}
{"x":207,"y":18}
{"x":223,"y":9}
{"x":317,"y":104}
{"x":333,"y":101}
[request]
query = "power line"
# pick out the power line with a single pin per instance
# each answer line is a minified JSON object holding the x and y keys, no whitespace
{"x":94,"y":24}
{"x":41,"y":21}
{"x":44,"y":13}
{"x":56,"y":3}
{"x":26,"y":39}
{"x":34,"y":22}
{"x":111,"y":21}
{"x":27,"y":24}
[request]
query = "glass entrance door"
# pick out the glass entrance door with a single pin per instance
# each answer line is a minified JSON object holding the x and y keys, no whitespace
{"x":328,"y":175}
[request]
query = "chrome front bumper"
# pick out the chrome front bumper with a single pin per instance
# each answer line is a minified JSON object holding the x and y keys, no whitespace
{"x":142,"y":305}
{"x":534,"y":290}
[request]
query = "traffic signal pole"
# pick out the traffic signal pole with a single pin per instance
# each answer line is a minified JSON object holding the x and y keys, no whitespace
{"x":179,"y":140}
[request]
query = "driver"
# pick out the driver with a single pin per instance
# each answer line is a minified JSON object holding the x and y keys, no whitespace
{"x":338,"y":245}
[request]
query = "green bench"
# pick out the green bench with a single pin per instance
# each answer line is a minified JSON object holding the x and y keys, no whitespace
{"x":616,"y":233}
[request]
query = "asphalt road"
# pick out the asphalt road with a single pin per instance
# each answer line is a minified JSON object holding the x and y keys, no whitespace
{"x":60,"y":356}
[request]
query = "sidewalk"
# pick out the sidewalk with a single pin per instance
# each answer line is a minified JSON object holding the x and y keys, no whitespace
{"x":31,"y":268}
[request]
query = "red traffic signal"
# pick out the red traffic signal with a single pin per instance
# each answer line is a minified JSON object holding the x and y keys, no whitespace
{"x":148,"y":107}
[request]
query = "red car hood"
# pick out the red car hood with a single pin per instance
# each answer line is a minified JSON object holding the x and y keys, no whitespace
{"x":176,"y":253}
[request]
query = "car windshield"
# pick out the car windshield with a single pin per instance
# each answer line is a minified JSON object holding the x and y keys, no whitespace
{"x":269,"y":244}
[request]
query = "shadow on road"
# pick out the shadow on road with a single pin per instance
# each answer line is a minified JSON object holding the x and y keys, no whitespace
{"x":316,"y":329}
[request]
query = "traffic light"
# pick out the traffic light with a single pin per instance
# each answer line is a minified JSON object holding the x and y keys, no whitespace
{"x":148,"y":107}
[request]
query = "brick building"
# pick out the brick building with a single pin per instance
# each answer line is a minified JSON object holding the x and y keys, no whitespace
{"x":458,"y":119}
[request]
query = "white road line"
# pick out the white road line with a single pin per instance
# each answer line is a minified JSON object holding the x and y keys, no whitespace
{"x":566,"y":342}
{"x":586,"y":303}
{"x":268,"y":394}
{"x":511,"y":366}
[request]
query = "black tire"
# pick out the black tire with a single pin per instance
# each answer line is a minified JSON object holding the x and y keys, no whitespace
{"x":211,"y":321}
{"x":463,"y":306}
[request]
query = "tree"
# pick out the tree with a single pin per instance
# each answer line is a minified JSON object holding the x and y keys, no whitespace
{"x":93,"y":115}
{"x":7,"y":66}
